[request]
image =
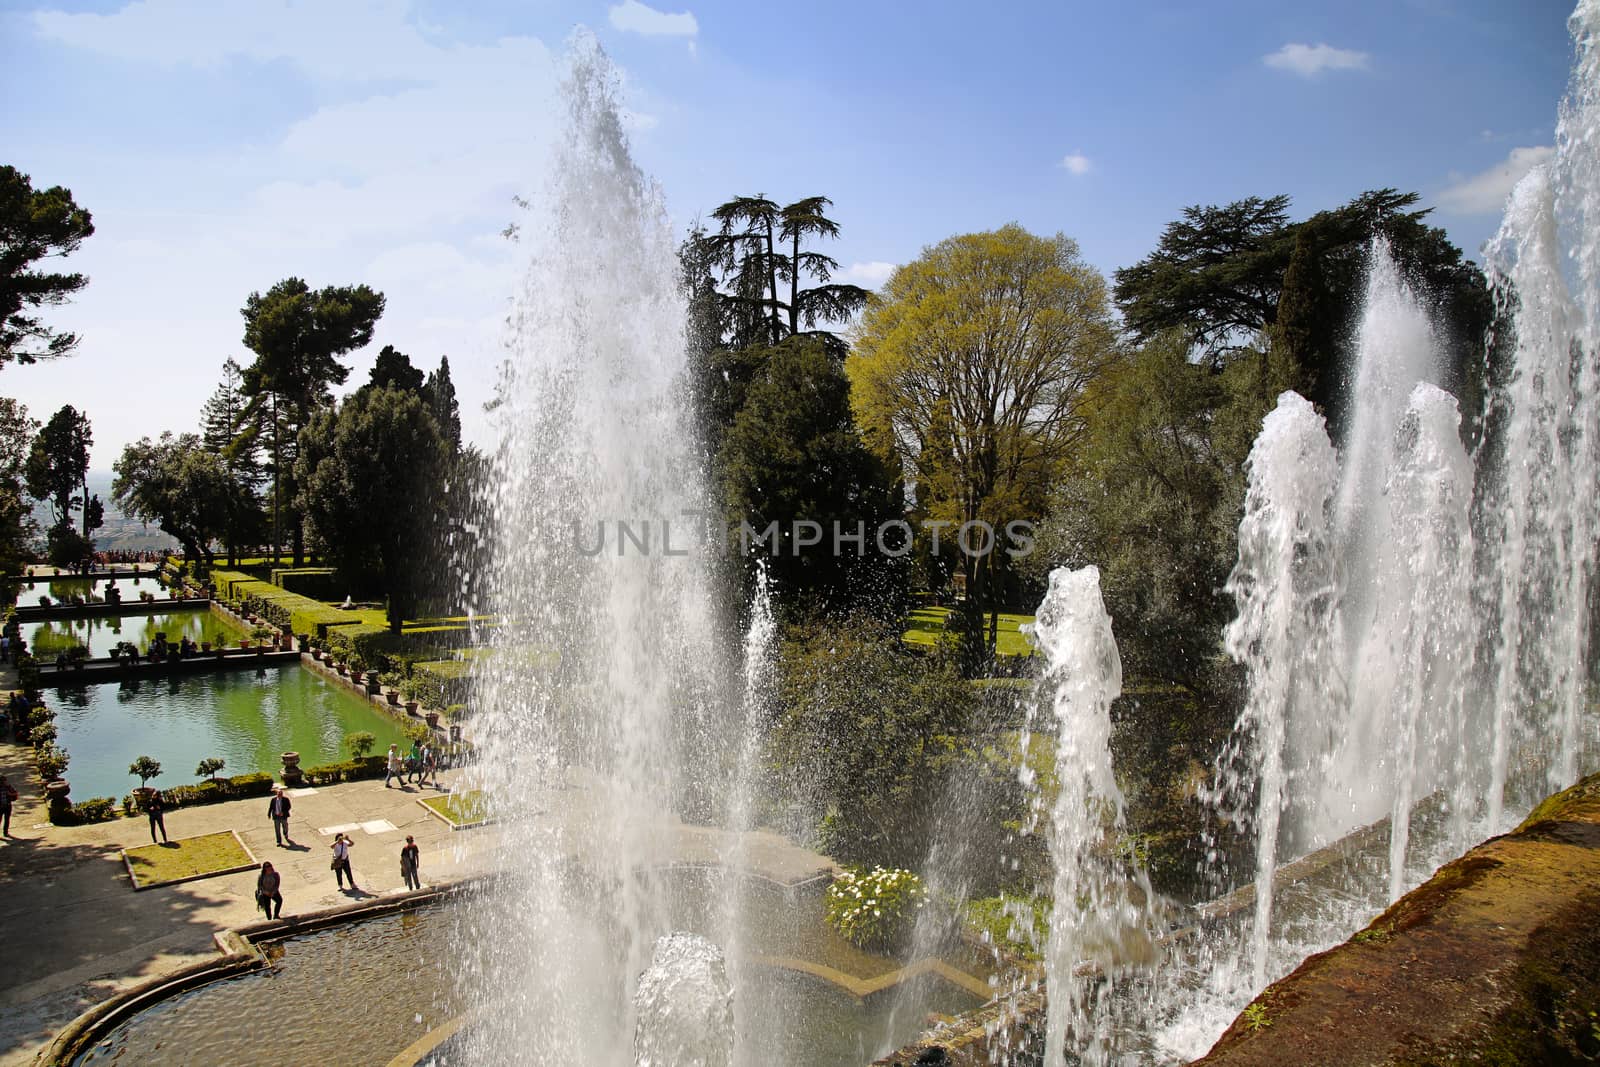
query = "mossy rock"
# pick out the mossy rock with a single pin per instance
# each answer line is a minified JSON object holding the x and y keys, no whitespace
{"x":1494,"y":960}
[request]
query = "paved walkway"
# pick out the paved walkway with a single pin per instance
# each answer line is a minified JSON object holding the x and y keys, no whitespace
{"x":73,"y":932}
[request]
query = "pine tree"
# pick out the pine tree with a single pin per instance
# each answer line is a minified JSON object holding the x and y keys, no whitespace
{"x":440,"y":393}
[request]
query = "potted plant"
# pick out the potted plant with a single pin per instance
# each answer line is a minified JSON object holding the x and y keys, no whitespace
{"x":358,"y":667}
{"x":145,"y":768}
{"x":430,"y":715}
{"x":205,"y":647}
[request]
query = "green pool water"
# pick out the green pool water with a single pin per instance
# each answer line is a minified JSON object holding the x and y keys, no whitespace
{"x":101,"y":634}
{"x":58,"y":589}
{"x":249,"y":721}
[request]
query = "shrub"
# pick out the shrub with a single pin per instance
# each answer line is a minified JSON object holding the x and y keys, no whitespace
{"x":209,"y":767}
{"x":875,"y":909}
{"x":349,"y":771}
{"x":95,"y":809}
{"x":359,"y":744}
{"x":53,"y":760}
{"x":42,"y":735}
{"x":28,"y":676}
{"x":127,"y":804}
{"x":214,"y":790}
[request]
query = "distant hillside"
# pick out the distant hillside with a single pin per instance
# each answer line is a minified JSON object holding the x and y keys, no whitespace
{"x":120,"y":533}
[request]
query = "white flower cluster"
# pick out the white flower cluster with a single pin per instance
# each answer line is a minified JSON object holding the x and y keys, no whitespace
{"x":869,"y":907}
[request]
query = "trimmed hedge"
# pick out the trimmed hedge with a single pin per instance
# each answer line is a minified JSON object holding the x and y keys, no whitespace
{"x":317,"y":583}
{"x":95,"y":809}
{"x":353,"y":770}
{"x":299,"y":614}
{"x":239,"y":787}
{"x":386,"y":651}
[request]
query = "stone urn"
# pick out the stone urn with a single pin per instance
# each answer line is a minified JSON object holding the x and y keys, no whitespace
{"x":57,"y":792}
{"x":291,"y":769}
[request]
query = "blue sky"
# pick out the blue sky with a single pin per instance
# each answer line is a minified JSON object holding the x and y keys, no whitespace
{"x":224,"y":145}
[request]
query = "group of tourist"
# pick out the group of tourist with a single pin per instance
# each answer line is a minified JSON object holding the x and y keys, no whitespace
{"x":414,"y":768}
{"x":269,"y":896}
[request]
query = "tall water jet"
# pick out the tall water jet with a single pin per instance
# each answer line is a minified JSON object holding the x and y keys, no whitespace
{"x":598,"y":726}
{"x":1284,"y":585}
{"x":1424,"y":652}
{"x":1093,"y":913}
{"x":1395,"y":349}
{"x":1540,"y":471}
{"x":760,"y":649}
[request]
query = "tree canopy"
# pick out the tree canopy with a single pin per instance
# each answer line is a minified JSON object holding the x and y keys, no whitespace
{"x":58,"y":472}
{"x":759,"y":261}
{"x":1223,"y":275}
{"x":184,"y":488}
{"x":793,"y":455}
{"x":968,"y":372}
{"x":298,"y":335}
{"x":16,"y":518}
{"x":372,"y":476}
{"x":35,"y":224}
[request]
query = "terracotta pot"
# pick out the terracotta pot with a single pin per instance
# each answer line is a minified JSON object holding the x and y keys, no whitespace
{"x":432,"y":716}
{"x":393,"y":696}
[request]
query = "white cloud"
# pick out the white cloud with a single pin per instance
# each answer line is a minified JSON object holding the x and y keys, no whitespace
{"x":634,"y":17}
{"x":399,"y":174}
{"x":1309,"y":60}
{"x":1076,"y":164}
{"x":868,"y":275}
{"x":1485,"y":193}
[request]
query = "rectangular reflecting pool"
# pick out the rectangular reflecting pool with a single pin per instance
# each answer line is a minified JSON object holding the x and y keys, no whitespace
{"x":59,"y":589}
{"x":250,"y":720}
{"x":102,"y":633}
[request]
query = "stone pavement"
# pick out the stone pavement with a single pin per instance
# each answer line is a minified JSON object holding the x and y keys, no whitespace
{"x":73,"y":931}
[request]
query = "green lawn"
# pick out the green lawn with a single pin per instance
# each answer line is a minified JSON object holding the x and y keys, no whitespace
{"x":460,"y":810}
{"x":925,"y":625}
{"x":186,"y":858}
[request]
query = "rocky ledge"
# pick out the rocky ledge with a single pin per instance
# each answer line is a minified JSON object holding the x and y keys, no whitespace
{"x":1494,"y":960}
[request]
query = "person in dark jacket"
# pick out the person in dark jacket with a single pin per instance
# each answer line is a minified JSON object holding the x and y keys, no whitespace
{"x":278,"y":811}
{"x":268,"y":891}
{"x":155,"y":807}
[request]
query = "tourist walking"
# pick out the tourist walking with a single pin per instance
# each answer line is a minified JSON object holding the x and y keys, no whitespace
{"x":155,"y":807}
{"x":430,"y":765}
{"x":392,"y":768}
{"x":278,"y":811}
{"x":268,"y":883}
{"x":341,"y":860}
{"x":414,"y":762}
{"x":8,"y":797}
{"x":411,"y":863}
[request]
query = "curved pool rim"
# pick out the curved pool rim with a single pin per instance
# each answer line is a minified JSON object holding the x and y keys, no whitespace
{"x":241,"y":954}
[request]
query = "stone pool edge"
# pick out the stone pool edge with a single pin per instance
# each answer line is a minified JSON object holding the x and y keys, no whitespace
{"x":240,"y":954}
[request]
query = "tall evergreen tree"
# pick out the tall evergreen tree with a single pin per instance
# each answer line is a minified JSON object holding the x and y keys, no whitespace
{"x":58,"y":473}
{"x":759,"y":260}
{"x":16,"y":518}
{"x":298,"y":335}
{"x":440,"y":392}
{"x":230,"y":431}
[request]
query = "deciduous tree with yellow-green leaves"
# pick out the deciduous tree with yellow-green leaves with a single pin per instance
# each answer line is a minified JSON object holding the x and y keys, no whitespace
{"x":968,"y":369}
